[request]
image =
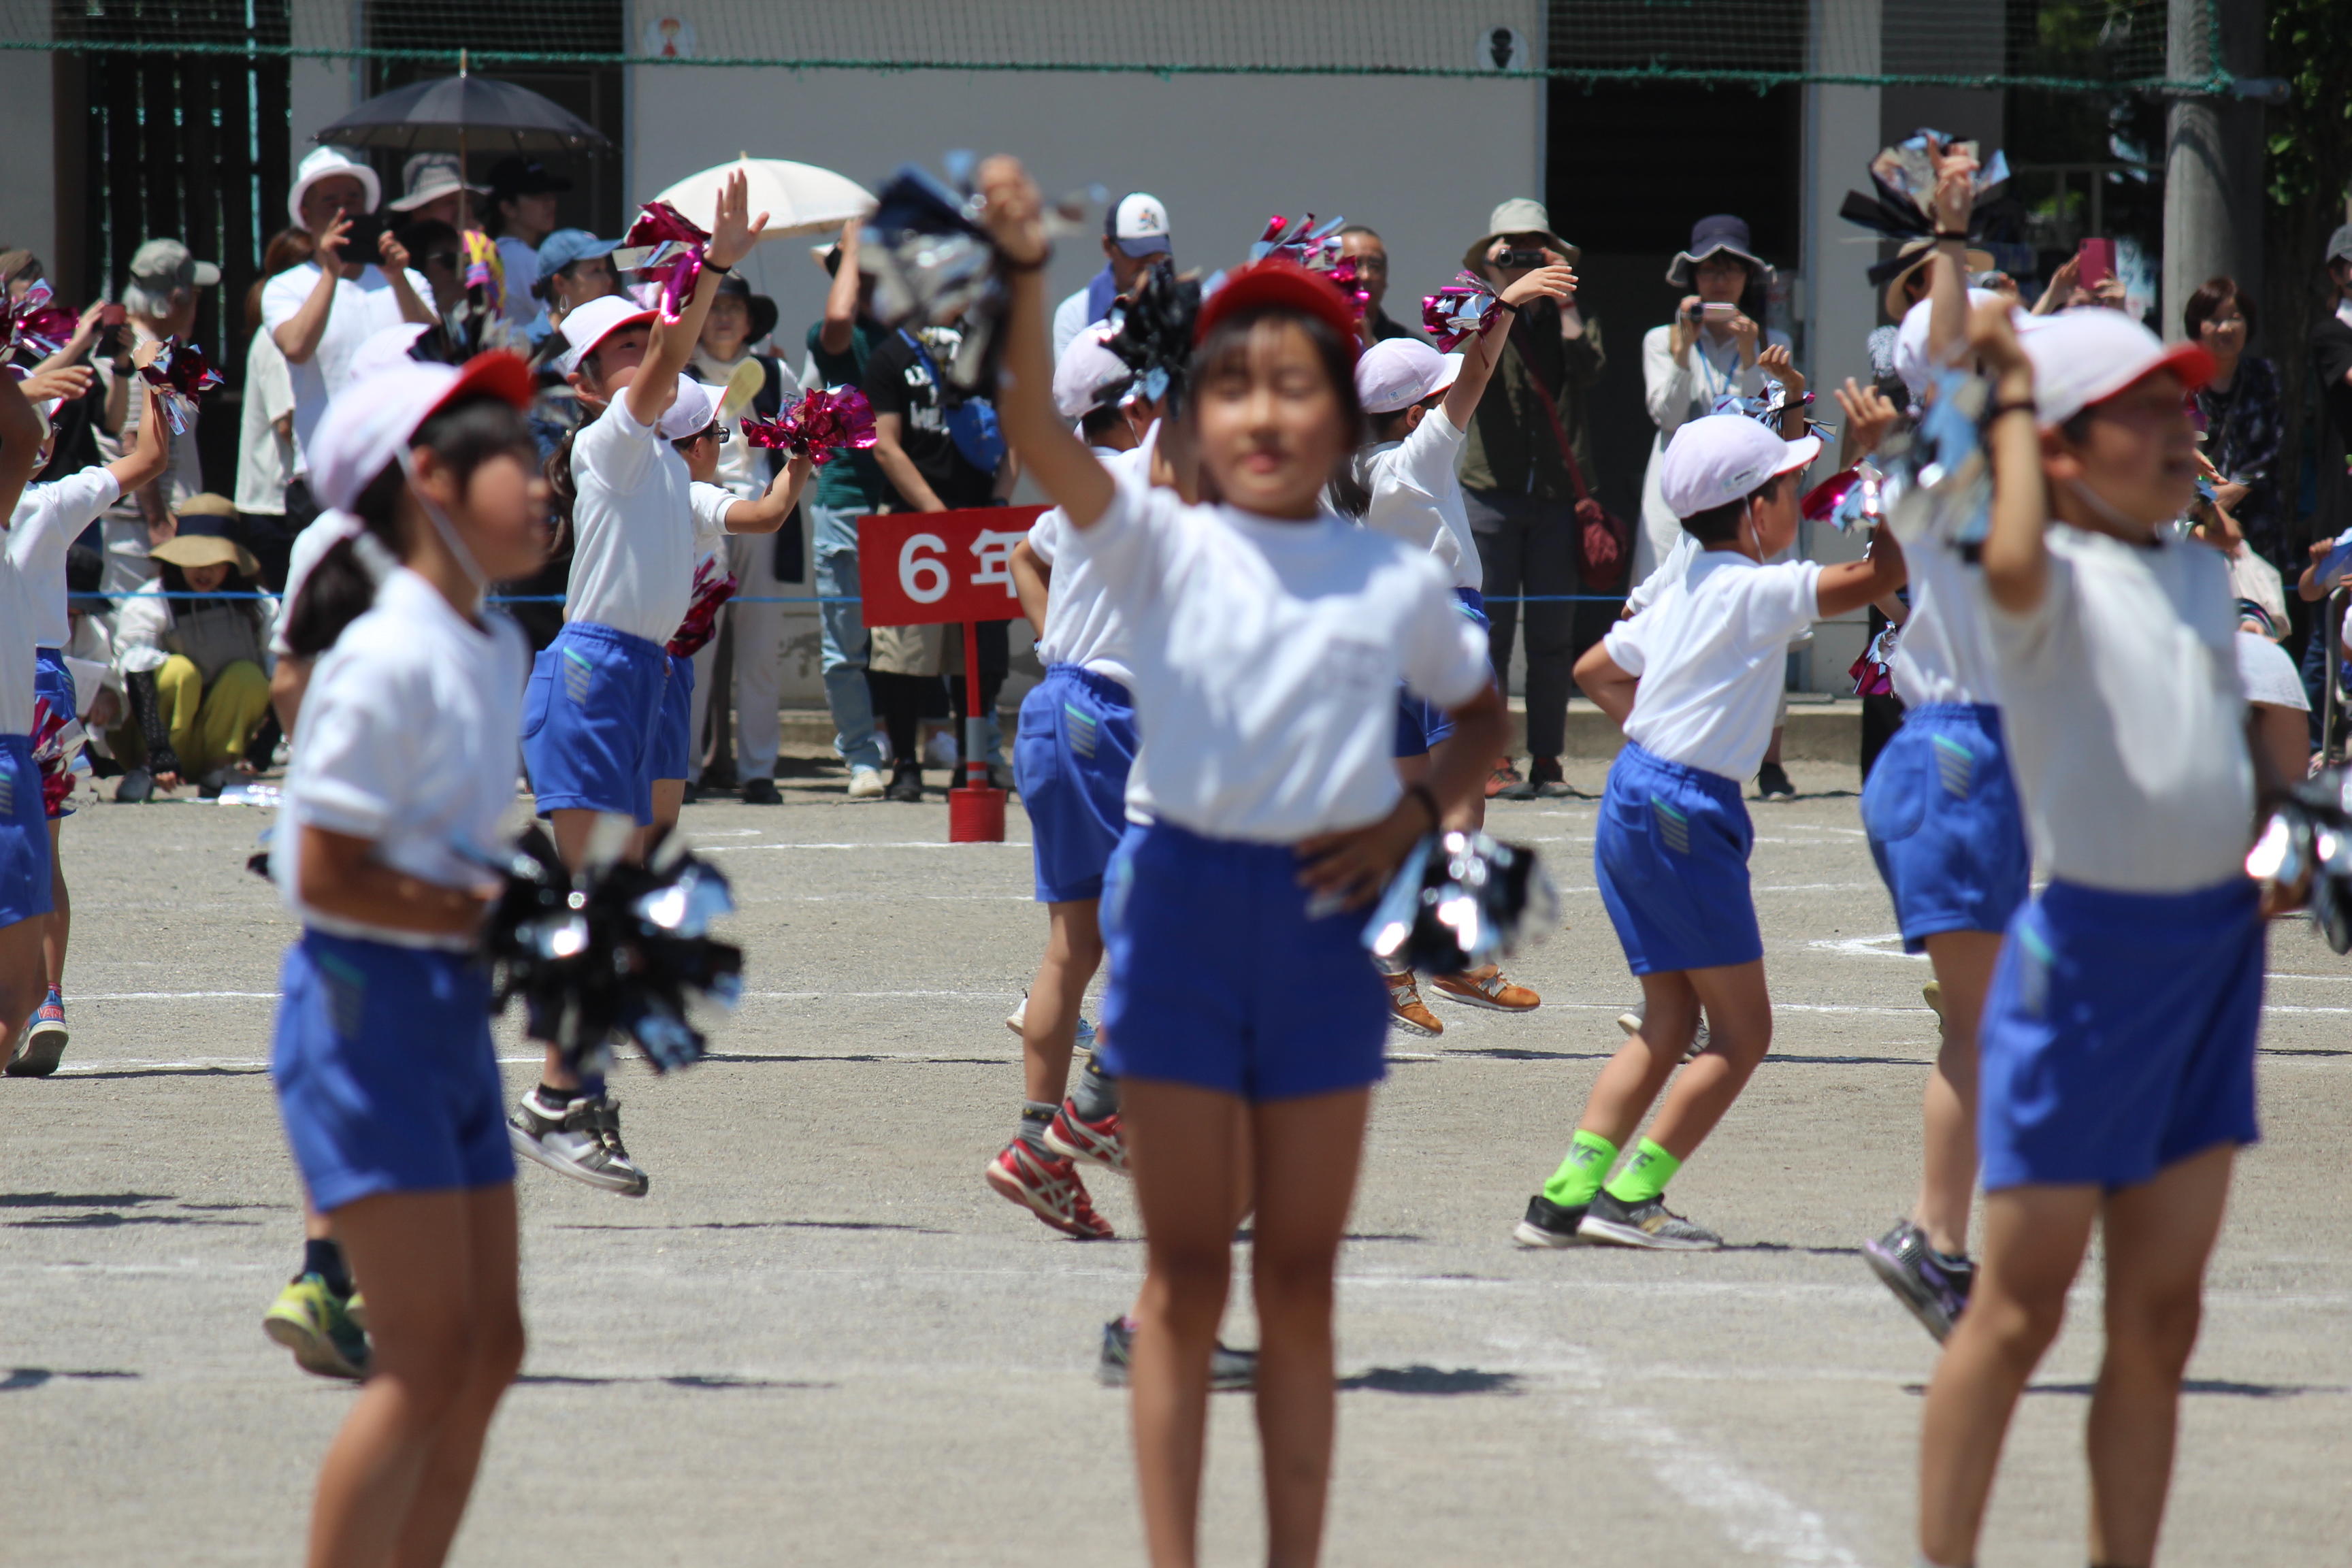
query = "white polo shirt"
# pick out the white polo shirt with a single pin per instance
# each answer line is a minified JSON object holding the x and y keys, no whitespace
{"x":1267,"y":656}
{"x":631,"y":526}
{"x":1417,"y":495}
{"x":47,"y":520}
{"x":1710,"y":653}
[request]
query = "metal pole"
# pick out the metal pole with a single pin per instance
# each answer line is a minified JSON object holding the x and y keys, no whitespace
{"x":2200,"y":239}
{"x":975,"y":726}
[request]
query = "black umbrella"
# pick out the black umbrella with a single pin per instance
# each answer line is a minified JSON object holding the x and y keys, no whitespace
{"x":464,"y":114}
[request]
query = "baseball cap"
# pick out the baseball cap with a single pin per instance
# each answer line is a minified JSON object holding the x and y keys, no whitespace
{"x":2088,"y":354}
{"x":691,"y":411}
{"x":566,"y":246}
{"x":381,"y":350}
{"x":1088,"y":374}
{"x":1401,"y":372}
{"x":162,"y":265}
{"x":1137,"y":225}
{"x":1721,"y":458}
{"x":327,"y":162}
{"x":1278,"y":282}
{"x":593,"y":323}
{"x":358,"y":437}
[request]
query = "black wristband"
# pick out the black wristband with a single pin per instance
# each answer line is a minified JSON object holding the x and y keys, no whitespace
{"x":1503,"y":304}
{"x":710,"y":266}
{"x":1945,"y":234}
{"x":2013,"y":406}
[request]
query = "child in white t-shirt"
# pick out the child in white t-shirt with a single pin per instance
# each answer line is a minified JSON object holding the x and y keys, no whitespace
{"x":1693,"y":682}
{"x":24,"y":885}
{"x":1266,"y":638}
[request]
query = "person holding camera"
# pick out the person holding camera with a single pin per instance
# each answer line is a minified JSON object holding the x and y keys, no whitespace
{"x":1526,"y":483}
{"x":320,"y":311}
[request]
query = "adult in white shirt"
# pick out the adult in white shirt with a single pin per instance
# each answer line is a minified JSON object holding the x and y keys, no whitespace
{"x":522,"y":214}
{"x":1135,"y":234}
{"x":265,"y":438}
{"x":320,"y":311}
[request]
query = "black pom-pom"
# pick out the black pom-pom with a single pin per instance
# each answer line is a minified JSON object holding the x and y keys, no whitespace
{"x":1462,"y":900}
{"x":1155,"y":333}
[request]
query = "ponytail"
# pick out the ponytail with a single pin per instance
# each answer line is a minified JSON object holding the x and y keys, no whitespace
{"x":562,"y":492}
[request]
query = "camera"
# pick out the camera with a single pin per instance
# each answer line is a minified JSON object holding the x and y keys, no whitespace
{"x":1523,"y":258}
{"x":109,"y":341}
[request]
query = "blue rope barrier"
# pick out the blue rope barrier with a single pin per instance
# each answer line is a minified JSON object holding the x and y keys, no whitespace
{"x":799,"y":598}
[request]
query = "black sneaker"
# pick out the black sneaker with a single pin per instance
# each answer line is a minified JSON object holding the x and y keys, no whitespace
{"x":1544,"y":781}
{"x":1230,"y":1371}
{"x":906,"y":783}
{"x":1549,"y":1225}
{"x":1772,"y":782}
{"x":581,"y":1139}
{"x":1935,"y":1292}
{"x":1646,"y":1224}
{"x":760,"y":792}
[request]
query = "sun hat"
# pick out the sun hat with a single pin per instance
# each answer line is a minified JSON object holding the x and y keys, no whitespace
{"x":160,"y":266}
{"x":1278,"y":282}
{"x":203,"y":541}
{"x":327,"y":162}
{"x":1137,"y":225}
{"x":358,"y":437}
{"x":429,"y":177}
{"x":1722,"y":234}
{"x":763,"y":309}
{"x":595,"y":321}
{"x":205,"y":503}
{"x":1520,"y":214}
{"x":1398,"y":373}
{"x":1718,"y":458}
{"x":1917,"y":253}
{"x":2087,"y":356}
{"x":1089,"y":375}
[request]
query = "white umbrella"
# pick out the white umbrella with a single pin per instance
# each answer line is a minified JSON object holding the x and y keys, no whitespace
{"x":799,"y":198}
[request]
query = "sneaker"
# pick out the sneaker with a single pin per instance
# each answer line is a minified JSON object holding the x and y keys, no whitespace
{"x":1631,"y":1024}
{"x":1504,"y":778}
{"x":1230,"y":1371}
{"x":1485,"y":988}
{"x":1935,"y":1292}
{"x":759,"y":792}
{"x":1647,"y":1224}
{"x":906,"y":783}
{"x":581,"y":1139}
{"x":313,"y":1323}
{"x":1933,"y":994}
{"x":1407,"y":1011}
{"x":1018,"y":1022}
{"x":44,"y":1041}
{"x":1073,"y":1137}
{"x":865,"y":784}
{"x":1050,"y":1189}
{"x":1545,"y":779}
{"x":1772,"y":782}
{"x":1549,"y":1225}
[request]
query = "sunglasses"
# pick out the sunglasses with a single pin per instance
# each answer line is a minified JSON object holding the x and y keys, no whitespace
{"x":443,"y":258}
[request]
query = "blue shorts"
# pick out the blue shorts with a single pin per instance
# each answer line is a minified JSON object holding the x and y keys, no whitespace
{"x":588,"y":720}
{"x":1071,"y":757}
{"x":2118,"y":1037}
{"x":387,"y":1081}
{"x":54,"y":683}
{"x":673,"y":732}
{"x":1944,"y":824}
{"x":1219,"y":977}
{"x":24,"y":891}
{"x":1421,"y":724}
{"x":1671,"y":855}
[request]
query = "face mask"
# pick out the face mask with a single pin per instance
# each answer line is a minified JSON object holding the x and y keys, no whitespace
{"x":2103,"y":507}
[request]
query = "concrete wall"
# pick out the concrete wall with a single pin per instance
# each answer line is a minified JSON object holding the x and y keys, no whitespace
{"x":29,"y":203}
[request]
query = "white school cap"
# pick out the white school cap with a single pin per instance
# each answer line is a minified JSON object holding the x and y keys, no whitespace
{"x":1911,"y":359}
{"x":1088,"y":374}
{"x":358,"y":437}
{"x":2088,"y":354}
{"x":1722,"y":457}
{"x":385,"y":349}
{"x":1400,"y":372}
{"x":326,"y":162}
{"x":691,"y":411}
{"x":595,"y":321}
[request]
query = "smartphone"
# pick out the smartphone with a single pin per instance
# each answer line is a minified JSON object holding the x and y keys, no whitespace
{"x":360,"y":241}
{"x":2094,"y":262}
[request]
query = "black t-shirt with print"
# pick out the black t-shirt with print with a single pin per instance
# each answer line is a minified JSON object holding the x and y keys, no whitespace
{"x":900,"y":380}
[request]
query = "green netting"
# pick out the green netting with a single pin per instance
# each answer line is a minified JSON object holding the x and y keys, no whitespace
{"x":2058,"y":45}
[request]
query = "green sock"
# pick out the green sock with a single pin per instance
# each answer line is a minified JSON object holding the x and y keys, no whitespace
{"x":1580,"y":1176}
{"x":1645,"y":1176}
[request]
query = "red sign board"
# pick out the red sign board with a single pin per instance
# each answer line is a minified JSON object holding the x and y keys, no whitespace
{"x":927,"y":568}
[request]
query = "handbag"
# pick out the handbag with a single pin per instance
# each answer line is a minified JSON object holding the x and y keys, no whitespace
{"x":1605,"y":540}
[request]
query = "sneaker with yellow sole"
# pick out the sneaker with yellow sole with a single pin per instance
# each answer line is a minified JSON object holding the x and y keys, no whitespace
{"x":317,"y":1326}
{"x":1407,"y":1011}
{"x":1485,"y":988}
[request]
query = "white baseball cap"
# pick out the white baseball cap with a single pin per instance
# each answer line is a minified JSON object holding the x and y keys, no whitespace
{"x":1137,"y":225}
{"x":325,"y":163}
{"x":381,"y":350}
{"x":1398,"y":373}
{"x":1722,"y":457}
{"x":691,"y":412}
{"x":359,"y":437}
{"x":2088,"y":354}
{"x":595,"y":321}
{"x":1088,"y":374}
{"x":1911,"y":359}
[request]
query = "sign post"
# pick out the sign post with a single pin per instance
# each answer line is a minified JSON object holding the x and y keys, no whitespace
{"x":934,"y":568}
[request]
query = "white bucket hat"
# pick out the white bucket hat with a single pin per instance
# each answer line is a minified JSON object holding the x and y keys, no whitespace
{"x":325,"y":163}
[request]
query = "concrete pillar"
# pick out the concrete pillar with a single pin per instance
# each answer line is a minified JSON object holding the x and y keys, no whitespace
{"x":2199,"y":235}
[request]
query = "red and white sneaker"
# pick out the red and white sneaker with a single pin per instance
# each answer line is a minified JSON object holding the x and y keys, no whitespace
{"x":1050,"y":1189}
{"x":1096,"y":1142}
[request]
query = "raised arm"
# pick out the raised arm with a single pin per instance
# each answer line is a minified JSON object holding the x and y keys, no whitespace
{"x":1948,"y":282}
{"x":298,"y":336}
{"x":2016,"y":554}
{"x":1480,"y":354}
{"x":151,"y":453}
{"x":1056,"y":457}
{"x":841,"y":301}
{"x":768,"y":514}
{"x":20,"y":443}
{"x":732,"y":236}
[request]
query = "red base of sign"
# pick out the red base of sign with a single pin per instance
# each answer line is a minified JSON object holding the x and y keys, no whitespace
{"x":976,"y":816}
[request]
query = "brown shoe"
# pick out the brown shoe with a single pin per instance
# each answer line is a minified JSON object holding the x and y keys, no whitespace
{"x":1407,"y":1011}
{"x":1485,"y":988}
{"x":1504,"y":776}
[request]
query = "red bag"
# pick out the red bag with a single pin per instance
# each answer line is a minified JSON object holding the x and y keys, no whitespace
{"x":1605,"y":541}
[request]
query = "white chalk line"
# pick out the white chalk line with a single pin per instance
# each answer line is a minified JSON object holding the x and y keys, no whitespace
{"x":894,"y":844}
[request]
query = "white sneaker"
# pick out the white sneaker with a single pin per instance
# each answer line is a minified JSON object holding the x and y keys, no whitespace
{"x":1631,"y":1024}
{"x":581,"y":1139}
{"x":865,"y":784}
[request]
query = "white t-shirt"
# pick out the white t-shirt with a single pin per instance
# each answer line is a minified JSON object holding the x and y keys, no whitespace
{"x":1670,"y":570}
{"x":709,"y":504}
{"x":1417,"y":495}
{"x":1709,"y":653}
{"x":47,"y":520}
{"x":2126,"y":722}
{"x":1267,"y":656}
{"x":521,"y":264}
{"x":1944,"y":654}
{"x":265,"y":459}
{"x":1083,"y":625}
{"x":362,"y":307}
{"x":2267,"y":672}
{"x":16,"y":655}
{"x":411,"y":736}
{"x":742,"y":468}
{"x":633,"y":528}
{"x":1069,"y":320}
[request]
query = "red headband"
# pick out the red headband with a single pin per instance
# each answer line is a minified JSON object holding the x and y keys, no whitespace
{"x":1281,"y":284}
